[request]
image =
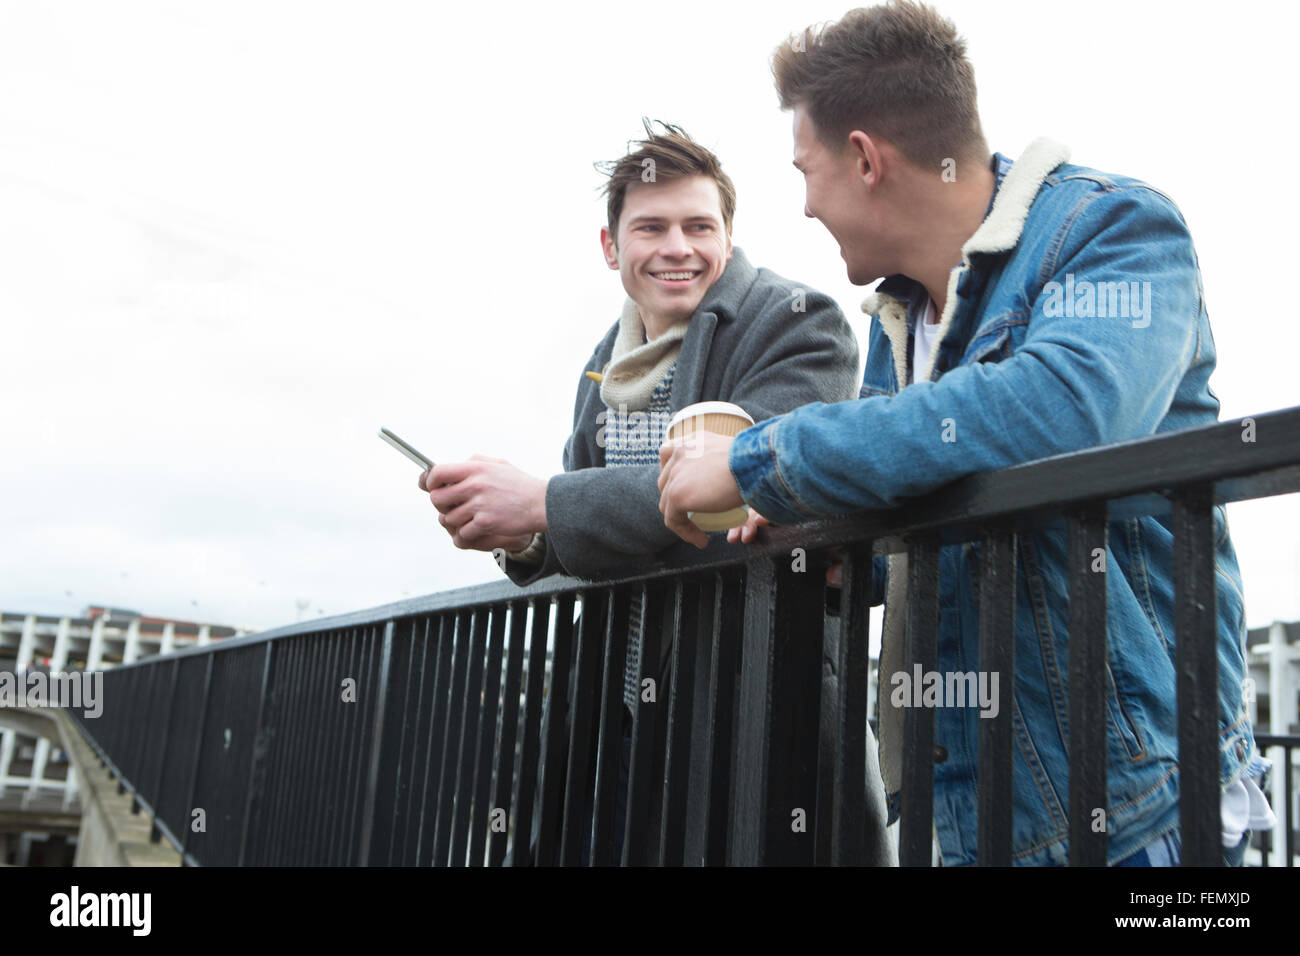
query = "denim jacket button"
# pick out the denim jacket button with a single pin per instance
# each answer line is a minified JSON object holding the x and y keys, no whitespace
{"x":940,"y":754}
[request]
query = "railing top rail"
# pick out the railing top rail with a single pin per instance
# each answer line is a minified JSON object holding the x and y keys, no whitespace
{"x":1134,"y":476}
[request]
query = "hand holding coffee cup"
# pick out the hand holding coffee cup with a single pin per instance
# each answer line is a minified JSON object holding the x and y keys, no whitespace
{"x":720,"y":418}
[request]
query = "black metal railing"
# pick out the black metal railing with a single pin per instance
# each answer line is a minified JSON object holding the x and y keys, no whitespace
{"x":414,"y":733}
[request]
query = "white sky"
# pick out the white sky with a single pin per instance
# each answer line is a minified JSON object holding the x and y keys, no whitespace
{"x":235,"y":238}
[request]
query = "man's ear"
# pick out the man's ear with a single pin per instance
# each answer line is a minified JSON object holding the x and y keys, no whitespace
{"x":609,"y":247}
{"x":867,"y":158}
{"x":730,"y":249}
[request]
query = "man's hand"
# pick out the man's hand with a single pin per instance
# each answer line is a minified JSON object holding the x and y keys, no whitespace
{"x":487,"y":503}
{"x":745,"y":533}
{"x":694,"y":475}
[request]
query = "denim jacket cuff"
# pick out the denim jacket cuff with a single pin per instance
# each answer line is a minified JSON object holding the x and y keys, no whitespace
{"x":753,"y":464}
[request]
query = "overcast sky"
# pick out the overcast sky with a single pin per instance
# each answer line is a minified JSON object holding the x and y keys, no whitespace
{"x":236,"y":238}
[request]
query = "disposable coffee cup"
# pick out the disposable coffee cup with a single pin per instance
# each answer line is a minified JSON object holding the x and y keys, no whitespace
{"x":721,"y":418}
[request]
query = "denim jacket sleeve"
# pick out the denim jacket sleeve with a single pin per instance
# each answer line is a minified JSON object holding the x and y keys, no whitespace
{"x":1071,"y":382}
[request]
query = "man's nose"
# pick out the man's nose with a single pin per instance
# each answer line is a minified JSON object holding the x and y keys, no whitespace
{"x":675,"y":243}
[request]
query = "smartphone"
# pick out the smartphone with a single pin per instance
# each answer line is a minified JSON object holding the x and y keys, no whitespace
{"x":405,"y":449}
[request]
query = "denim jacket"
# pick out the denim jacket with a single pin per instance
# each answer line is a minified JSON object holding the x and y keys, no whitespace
{"x":1075,"y":319}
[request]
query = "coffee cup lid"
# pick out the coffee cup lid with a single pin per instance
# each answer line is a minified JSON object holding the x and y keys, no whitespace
{"x":709,"y":408}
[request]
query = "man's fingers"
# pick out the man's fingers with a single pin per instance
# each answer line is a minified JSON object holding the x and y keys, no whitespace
{"x":666,"y":453}
{"x":680,"y":525}
{"x":449,"y":496}
{"x":451,"y":473}
{"x":420,"y":481}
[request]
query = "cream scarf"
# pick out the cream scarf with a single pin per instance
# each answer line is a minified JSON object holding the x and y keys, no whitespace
{"x":637,"y":366}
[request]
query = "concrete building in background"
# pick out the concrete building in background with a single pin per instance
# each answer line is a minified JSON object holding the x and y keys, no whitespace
{"x":40,"y":809}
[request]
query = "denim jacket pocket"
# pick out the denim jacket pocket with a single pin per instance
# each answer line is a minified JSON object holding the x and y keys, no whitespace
{"x":1127,"y":730}
{"x":992,"y":347}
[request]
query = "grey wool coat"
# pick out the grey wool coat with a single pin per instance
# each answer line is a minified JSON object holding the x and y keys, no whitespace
{"x":758,"y":340}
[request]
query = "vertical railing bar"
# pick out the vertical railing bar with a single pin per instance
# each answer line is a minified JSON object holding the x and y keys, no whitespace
{"x":256,"y":766}
{"x":849,"y":809}
{"x":775,"y":791}
{"x":698,"y":785}
{"x":343,"y":731}
{"x":672,"y":819}
{"x":729,"y":609}
{"x":609,"y":742}
{"x":505,"y":767}
{"x":199,"y":730}
{"x":308,"y":804}
{"x":469,"y":730}
{"x":640,"y":782}
{"x":747,"y":846}
{"x":1197,"y":664}
{"x":916,"y":810}
{"x":591,"y":630}
{"x":530,"y":746}
{"x":376,"y":747}
{"x":431,"y":792}
{"x":997,"y":611}
{"x":1289,"y":815}
{"x":553,"y":768}
{"x":487,"y":738}
{"x":284,"y":754}
{"x":1089,"y":675}
{"x":343,"y":734}
{"x":451,"y":741}
{"x":403,"y":841}
{"x":154,"y":833}
{"x":405,"y":674}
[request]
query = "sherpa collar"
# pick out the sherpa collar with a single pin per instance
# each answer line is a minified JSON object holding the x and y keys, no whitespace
{"x":999,"y":232}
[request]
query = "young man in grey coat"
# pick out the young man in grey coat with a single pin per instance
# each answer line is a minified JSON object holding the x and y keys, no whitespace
{"x":700,"y":324}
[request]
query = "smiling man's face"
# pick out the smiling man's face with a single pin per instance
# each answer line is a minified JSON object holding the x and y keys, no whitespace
{"x":672,"y":246}
{"x":836,"y":196}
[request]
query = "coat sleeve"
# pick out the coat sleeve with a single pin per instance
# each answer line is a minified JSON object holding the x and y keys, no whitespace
{"x":1074,"y":382}
{"x":604,"y":518}
{"x":577,"y":457}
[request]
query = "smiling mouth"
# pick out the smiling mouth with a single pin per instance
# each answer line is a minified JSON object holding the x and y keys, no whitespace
{"x":683,"y":275}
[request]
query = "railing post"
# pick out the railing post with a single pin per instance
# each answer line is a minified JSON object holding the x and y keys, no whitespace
{"x":997,"y":656}
{"x":1089,"y":678}
{"x":530,"y":746}
{"x":257,"y":764}
{"x":609,"y":742}
{"x":916,"y":800}
{"x":677,"y":746}
{"x":199,"y":730}
{"x":376,"y":747}
{"x":849,"y":811}
{"x":155,"y":834}
{"x":509,"y":727}
{"x":645,"y":730}
{"x":775,"y":789}
{"x":1197,"y":661}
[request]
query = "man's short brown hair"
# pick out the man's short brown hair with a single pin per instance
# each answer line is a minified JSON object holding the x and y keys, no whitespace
{"x":662,"y":156}
{"x":898,"y":70}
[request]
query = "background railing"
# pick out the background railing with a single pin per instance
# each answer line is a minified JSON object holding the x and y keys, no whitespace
{"x":413,"y":733}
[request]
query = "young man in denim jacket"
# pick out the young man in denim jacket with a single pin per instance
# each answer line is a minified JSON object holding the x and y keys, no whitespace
{"x":1027,"y":309}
